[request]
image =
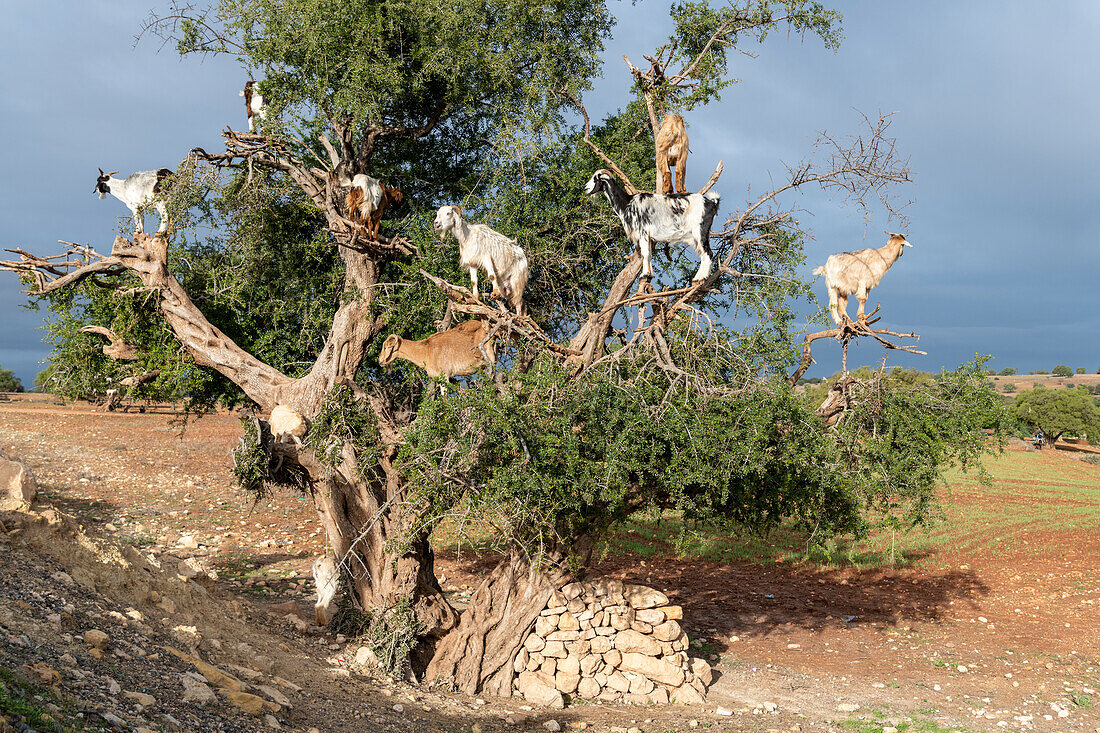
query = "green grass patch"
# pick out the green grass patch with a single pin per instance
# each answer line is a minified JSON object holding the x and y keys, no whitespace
{"x":19,"y":696}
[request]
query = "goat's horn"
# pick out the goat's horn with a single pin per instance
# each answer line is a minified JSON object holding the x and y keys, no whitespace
{"x":101,"y":171}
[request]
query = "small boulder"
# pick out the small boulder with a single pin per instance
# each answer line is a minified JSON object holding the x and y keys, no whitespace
{"x":639,"y":597}
{"x":96,"y":639}
{"x":537,"y":691}
{"x":17,"y":485}
{"x":632,"y":641}
{"x":196,"y":692}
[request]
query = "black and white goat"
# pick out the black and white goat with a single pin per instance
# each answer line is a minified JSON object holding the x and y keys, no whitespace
{"x":253,"y":105}
{"x":137,"y":191}
{"x":649,"y":218}
{"x":480,"y":246}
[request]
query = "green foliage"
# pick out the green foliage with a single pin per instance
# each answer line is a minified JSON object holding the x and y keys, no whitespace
{"x":1080,"y":370}
{"x":342,"y":421}
{"x":252,"y":463}
{"x":9,"y":382}
{"x":1058,"y":411}
{"x":1010,"y":387}
{"x":1062,"y":371}
{"x":815,"y":394}
{"x":1008,"y":372}
{"x":391,"y":635}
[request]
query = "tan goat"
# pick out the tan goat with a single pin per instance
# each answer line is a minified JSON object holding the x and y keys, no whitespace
{"x":452,"y":353}
{"x":672,"y":150}
{"x":857,"y":272}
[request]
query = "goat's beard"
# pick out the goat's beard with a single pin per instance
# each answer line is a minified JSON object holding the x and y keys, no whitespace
{"x":102,"y":195}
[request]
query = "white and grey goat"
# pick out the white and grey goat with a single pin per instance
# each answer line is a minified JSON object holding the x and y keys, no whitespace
{"x":480,"y":247}
{"x":649,"y":217}
{"x":857,"y":272}
{"x":137,"y":191}
{"x":253,"y":105}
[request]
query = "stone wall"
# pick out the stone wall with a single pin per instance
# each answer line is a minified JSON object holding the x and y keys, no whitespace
{"x":607,"y":641}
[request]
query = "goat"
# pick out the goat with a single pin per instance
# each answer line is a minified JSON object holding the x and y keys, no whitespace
{"x":364,"y":198}
{"x":858,"y":272}
{"x":479,"y":246}
{"x":137,"y":191}
{"x":253,"y":105}
{"x":649,"y":218}
{"x":672,"y":150}
{"x":286,"y":423}
{"x":326,"y":576}
{"x":451,"y":353}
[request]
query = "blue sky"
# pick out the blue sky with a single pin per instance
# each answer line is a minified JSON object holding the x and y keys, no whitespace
{"x":996,"y":108}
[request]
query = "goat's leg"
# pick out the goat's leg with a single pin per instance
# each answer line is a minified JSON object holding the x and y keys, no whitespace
{"x":664,"y":173}
{"x":646,"y":247}
{"x":473,"y":283}
{"x":862,"y":298}
{"x":842,"y":301}
{"x":681,"y":174}
{"x":162,"y":210}
{"x":834,"y":307}
{"x":704,"y":258}
{"x":139,"y":221}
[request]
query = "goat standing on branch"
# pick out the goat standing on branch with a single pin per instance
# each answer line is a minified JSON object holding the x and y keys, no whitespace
{"x":858,"y":272}
{"x":253,"y":105}
{"x":672,"y":150}
{"x":649,"y":218}
{"x":480,"y":247}
{"x":137,"y":191}
{"x":453,"y":353}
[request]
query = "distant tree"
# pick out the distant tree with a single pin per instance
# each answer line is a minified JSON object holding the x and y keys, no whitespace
{"x":1039,"y":371}
{"x":1059,"y":411}
{"x":1062,"y":371}
{"x":1010,"y":387}
{"x":9,"y":382}
{"x":1080,"y":370}
{"x":1008,"y":372}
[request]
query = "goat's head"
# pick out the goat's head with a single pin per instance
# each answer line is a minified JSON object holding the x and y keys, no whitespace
{"x":600,"y":181}
{"x":101,"y":186}
{"x":899,"y":239}
{"x":446,"y":218}
{"x":389,"y":350}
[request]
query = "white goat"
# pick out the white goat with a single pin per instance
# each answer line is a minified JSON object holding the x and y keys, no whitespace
{"x":137,"y":191}
{"x":253,"y":105}
{"x":480,"y":247}
{"x":858,"y":272}
{"x":649,"y":218}
{"x":451,"y":353}
{"x":326,"y":577}
{"x":285,"y":424}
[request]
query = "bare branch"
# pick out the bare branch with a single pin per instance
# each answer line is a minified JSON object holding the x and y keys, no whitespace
{"x":630,"y":189}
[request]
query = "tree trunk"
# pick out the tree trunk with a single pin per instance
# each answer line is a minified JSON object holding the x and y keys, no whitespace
{"x":477,"y":655}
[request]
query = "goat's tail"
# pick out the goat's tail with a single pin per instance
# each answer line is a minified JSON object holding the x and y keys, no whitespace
{"x":819,"y":270}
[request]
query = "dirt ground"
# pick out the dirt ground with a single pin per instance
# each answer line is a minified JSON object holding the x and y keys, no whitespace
{"x":984,"y":636}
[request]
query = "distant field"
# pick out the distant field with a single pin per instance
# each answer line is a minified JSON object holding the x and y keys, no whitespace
{"x":1030,"y":381}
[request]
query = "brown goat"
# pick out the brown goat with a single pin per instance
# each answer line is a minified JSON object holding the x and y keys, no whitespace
{"x":452,"y":353}
{"x":672,"y":150}
{"x":372,"y":221}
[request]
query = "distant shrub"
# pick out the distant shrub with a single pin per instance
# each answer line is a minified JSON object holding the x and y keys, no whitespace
{"x":1062,"y":371}
{"x":1080,"y":370}
{"x":1008,"y":372}
{"x":1010,"y":387}
{"x":1092,"y":458}
{"x":1039,"y":371}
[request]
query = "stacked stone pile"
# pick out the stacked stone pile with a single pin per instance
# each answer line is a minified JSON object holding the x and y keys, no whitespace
{"x":611,"y":642}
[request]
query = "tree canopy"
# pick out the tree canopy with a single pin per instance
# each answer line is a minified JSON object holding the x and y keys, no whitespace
{"x":1059,"y":411}
{"x":9,"y":382}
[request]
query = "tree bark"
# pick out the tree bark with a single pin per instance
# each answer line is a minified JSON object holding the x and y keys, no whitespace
{"x":477,"y":655}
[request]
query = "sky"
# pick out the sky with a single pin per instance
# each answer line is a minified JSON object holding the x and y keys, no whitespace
{"x":995,"y":107}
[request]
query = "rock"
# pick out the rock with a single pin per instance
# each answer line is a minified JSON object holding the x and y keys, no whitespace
{"x":657,"y":670}
{"x":41,"y":672}
{"x":538,"y":691}
{"x":563,"y":636}
{"x":521,"y":660}
{"x":566,"y":682}
{"x":686,"y":695}
{"x":251,"y":704}
{"x":847,"y":707}
{"x":96,"y":639}
{"x":668,"y":631}
{"x":190,"y":568}
{"x":140,"y":698}
{"x":552,"y":725}
{"x":588,"y":688}
{"x":631,"y":641}
{"x":64,"y":578}
{"x":613,"y":658}
{"x":545,"y":624}
{"x":574,"y":606}
{"x":196,"y":692}
{"x":275,"y":696}
{"x":534,"y":644}
{"x":641,"y":627}
{"x":556,"y":609}
{"x":702,"y":671}
{"x":640,"y":597}
{"x":549,"y":666}
{"x":399,"y":708}
{"x":672,"y":613}
{"x":641,"y":685}
{"x":282,"y":609}
{"x":570,"y":665}
{"x":272,"y":722}
{"x":579,"y":649}
{"x":651,"y":616}
{"x":590,"y":664}
{"x":616,"y":681}
{"x":365,"y":657}
{"x":659,"y":696}
{"x":573,"y":590}
{"x":568,"y":622}
{"x":723,"y":711}
{"x":601,"y":644}
{"x":554,"y":649}
{"x":17,"y":485}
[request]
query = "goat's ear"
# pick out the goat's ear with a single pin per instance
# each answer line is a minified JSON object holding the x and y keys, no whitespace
{"x":458,"y":210}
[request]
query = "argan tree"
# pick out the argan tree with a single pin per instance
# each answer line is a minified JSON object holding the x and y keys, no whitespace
{"x":1059,"y":411}
{"x":610,"y":396}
